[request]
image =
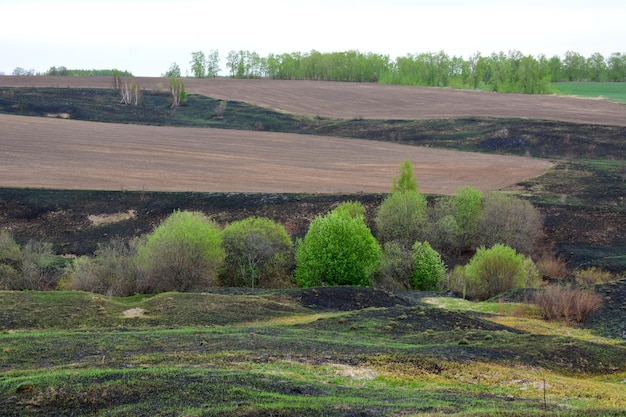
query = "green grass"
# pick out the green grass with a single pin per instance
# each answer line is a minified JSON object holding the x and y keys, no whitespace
{"x":612,"y":91}
{"x":262,"y":354}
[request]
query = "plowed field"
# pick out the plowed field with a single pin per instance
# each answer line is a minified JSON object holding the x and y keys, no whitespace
{"x":69,"y":154}
{"x":370,"y":101}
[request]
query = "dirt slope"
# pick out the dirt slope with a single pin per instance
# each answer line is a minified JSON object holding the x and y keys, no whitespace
{"x":370,"y":101}
{"x":69,"y":154}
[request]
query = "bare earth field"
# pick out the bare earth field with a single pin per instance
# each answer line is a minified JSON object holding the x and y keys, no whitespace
{"x":69,"y":154}
{"x":370,"y":101}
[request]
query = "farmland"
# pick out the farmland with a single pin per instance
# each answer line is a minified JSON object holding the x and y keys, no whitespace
{"x":288,"y":151}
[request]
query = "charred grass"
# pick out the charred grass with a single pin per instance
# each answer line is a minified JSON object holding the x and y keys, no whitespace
{"x":276,"y":353}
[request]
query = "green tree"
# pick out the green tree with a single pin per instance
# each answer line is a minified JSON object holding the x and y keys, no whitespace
{"x":402,"y":217}
{"x":183,"y":253}
{"x":467,"y":209}
{"x":429,"y":271}
{"x":495,"y":270}
{"x":259,"y":252}
{"x":353,"y":208}
{"x":213,"y":63}
{"x":198,"y":64}
{"x":338,"y":249}
{"x":406,"y":181}
{"x":173,"y":71}
{"x":177,"y":89}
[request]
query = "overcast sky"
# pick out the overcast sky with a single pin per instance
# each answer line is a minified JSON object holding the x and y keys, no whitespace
{"x":147,"y":36}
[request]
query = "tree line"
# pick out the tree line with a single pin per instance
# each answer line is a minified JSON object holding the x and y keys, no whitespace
{"x":502,"y":72}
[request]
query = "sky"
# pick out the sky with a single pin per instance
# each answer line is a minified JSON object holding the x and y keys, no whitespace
{"x":146,"y":36}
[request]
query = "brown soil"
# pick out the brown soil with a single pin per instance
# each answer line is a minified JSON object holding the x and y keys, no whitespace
{"x":69,"y":154}
{"x":369,"y":101}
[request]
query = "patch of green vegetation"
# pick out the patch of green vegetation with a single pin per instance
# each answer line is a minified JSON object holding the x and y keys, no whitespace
{"x":612,"y":91}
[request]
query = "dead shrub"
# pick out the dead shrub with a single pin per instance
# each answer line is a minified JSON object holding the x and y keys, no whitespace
{"x":593,"y":276}
{"x":552,"y":267}
{"x":567,"y":304}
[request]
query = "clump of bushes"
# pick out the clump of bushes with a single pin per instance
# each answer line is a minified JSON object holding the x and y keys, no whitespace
{"x":567,"y":304}
{"x":30,"y":267}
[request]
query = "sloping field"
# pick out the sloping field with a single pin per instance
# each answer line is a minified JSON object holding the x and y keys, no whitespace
{"x":70,"y":154}
{"x":370,"y":101}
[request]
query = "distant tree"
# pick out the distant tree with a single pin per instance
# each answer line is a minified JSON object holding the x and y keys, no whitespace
{"x":22,"y":72}
{"x":259,"y":252}
{"x":198,"y":64}
{"x":233,"y":63}
{"x":131,"y":93}
{"x":406,"y":181}
{"x":429,"y":271}
{"x":213,"y":63}
{"x":402,"y":217}
{"x":510,"y":221}
{"x":353,"y":208}
{"x":338,"y":249}
{"x":183,"y":253}
{"x":177,"y":89}
{"x":173,"y":71}
{"x":467,"y":210}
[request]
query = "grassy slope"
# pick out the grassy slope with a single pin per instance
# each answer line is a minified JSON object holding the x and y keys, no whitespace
{"x":280,"y":352}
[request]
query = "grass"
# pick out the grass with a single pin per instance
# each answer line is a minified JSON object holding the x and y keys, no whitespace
{"x":608,"y":90}
{"x":285,"y":359}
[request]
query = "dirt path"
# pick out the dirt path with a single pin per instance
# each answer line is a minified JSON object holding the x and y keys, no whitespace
{"x":366,"y":100}
{"x":69,"y":154}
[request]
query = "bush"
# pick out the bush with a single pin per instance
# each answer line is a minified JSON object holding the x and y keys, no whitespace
{"x":552,"y":267}
{"x":510,"y":221}
{"x":429,"y":270}
{"x":567,"y":304}
{"x":338,"y":249}
{"x":32,"y":267}
{"x":396,"y":268}
{"x":259,"y":252}
{"x":402,"y":217}
{"x":593,"y":276}
{"x":112,"y":271}
{"x":493,"y":271}
{"x":182,"y":254}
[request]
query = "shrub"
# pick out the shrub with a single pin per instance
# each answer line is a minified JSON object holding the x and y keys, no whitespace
{"x":593,"y":276}
{"x":259,"y":252}
{"x":429,"y":270}
{"x":338,"y":249}
{"x":493,"y":271}
{"x":467,"y":210}
{"x":406,"y":181}
{"x":402,"y":217}
{"x":112,"y":271}
{"x":567,"y":304}
{"x":32,"y":267}
{"x":183,"y":253}
{"x":510,"y":221}
{"x":396,"y":267}
{"x":552,"y":267}
{"x":353,"y":208}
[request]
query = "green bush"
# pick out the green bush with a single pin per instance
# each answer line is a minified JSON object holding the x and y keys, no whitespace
{"x":353,"y":208}
{"x":493,"y":271}
{"x":429,"y":270}
{"x":338,"y":249}
{"x":259,"y":252}
{"x":182,"y":254}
